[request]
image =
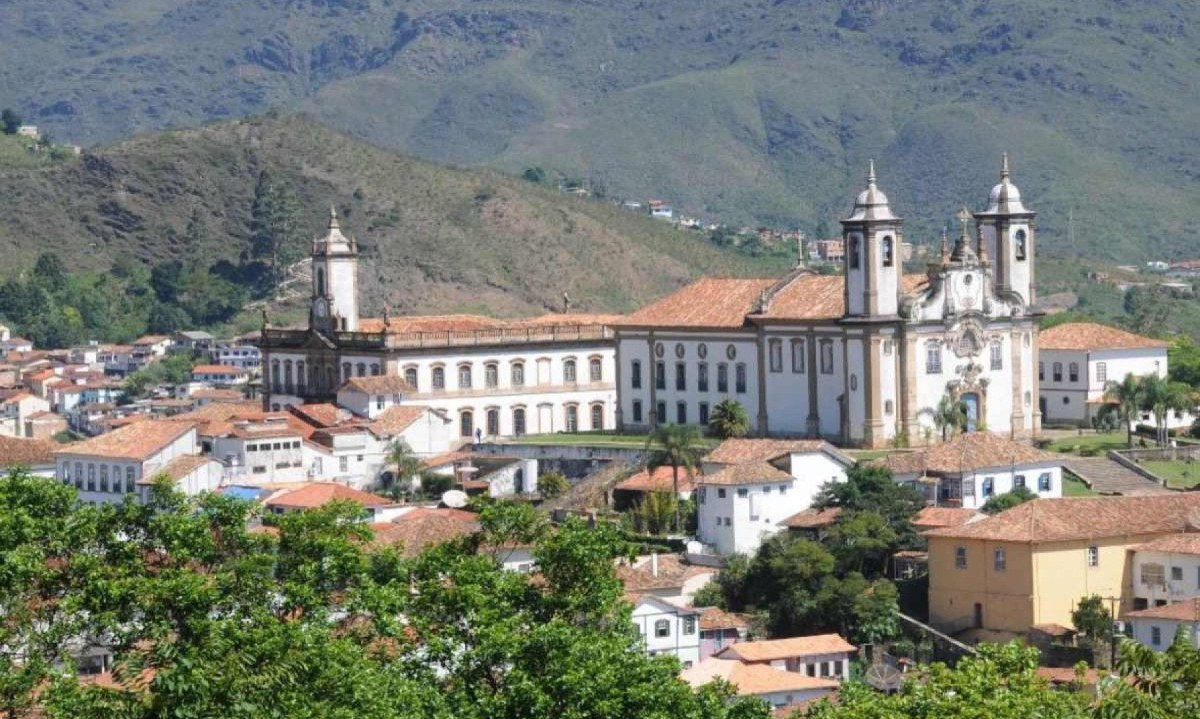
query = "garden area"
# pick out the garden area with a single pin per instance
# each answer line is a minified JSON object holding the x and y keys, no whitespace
{"x":1179,"y":474}
{"x":1092,"y":444}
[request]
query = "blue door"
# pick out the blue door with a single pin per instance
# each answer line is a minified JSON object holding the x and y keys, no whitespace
{"x":971,"y":402}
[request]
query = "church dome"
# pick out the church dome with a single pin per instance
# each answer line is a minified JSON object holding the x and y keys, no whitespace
{"x":1005,"y":198}
{"x":871,"y":203}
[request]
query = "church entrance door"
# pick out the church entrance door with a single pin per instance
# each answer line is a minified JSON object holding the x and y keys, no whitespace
{"x":971,"y":402}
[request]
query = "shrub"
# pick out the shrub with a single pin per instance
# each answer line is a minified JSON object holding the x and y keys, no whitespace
{"x":553,"y":484}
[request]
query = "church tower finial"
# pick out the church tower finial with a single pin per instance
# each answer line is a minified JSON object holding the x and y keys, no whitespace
{"x":333,"y":218}
{"x":1004,"y":166}
{"x":945,"y":245}
{"x":871,"y":173}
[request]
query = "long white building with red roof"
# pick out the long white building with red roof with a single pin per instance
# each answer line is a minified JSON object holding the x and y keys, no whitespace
{"x":490,"y":377}
{"x":861,"y":358}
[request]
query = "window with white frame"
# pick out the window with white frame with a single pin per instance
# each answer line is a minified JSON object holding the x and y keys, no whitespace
{"x":662,"y":628}
{"x":464,"y":376}
{"x":997,"y":355}
{"x":1093,"y":556}
{"x":1102,"y":372}
{"x":595,"y":369}
{"x":775,"y":354}
{"x":569,"y":370}
{"x":1074,"y":371}
{"x":933,"y":358}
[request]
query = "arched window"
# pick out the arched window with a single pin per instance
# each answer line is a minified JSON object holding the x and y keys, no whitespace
{"x":301,"y":376}
{"x":464,"y":376}
{"x":572,"y":418}
{"x":597,"y":416}
{"x":968,"y":343}
{"x":466,"y":423}
{"x":362,"y":369}
{"x":595,"y":369}
{"x":287,"y":375}
{"x":852,"y":252}
{"x":491,"y":374}
{"x":997,"y":355}
{"x":569,"y":370}
{"x":439,"y":377}
{"x":1057,"y":371}
{"x":889,"y":251}
{"x":518,"y":374}
{"x":1074,"y":371}
{"x":410,"y":376}
{"x":933,"y":358}
{"x":346,"y":371}
{"x":1021,"y":241}
{"x":276,"y":380}
{"x":493,"y":422}
{"x":519,"y":421}
{"x":722,"y":377}
{"x":375,"y":369}
{"x":798,"y":356}
{"x":775,"y":354}
{"x":320,"y":282}
{"x":635,"y":374}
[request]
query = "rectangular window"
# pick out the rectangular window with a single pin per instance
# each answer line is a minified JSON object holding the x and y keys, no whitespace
{"x":826,"y":356}
{"x":635,"y":374}
{"x":1102,"y":372}
{"x":775,"y":354}
{"x":960,"y":557}
{"x":702,"y":376}
{"x":740,"y":379}
{"x":989,"y":486}
{"x":933,"y":358}
{"x":680,"y":376}
{"x":1018,"y":481}
{"x":1000,"y":561}
{"x":637,"y":411}
{"x":660,"y":375}
{"x":1058,"y":371}
{"x":704,"y":413}
{"x":681,"y":413}
{"x":1176,"y":574}
{"x":1093,"y":556}
{"x":689,"y":625}
{"x":1074,"y":368}
{"x":1044,"y":482}
{"x":700,"y":494}
{"x":1153,"y":575}
{"x":997,"y":355}
{"x":968,"y":487}
{"x":798,"y":356}
{"x":379,"y":402}
{"x":343,"y":464}
{"x":1041,"y":371}
{"x":743,"y":492}
{"x":722,"y":377}
{"x":491,"y":375}
{"x":1156,"y":636}
{"x":464,"y":377}
{"x":721,"y":493}
{"x":660,"y":412}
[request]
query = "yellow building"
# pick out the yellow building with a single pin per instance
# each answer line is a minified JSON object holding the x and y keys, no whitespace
{"x":1033,"y":563}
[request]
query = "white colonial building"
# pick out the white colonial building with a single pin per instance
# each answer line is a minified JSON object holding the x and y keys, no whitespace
{"x":1078,"y":360}
{"x":667,"y":628}
{"x":491,"y":377}
{"x":750,"y":486}
{"x":860,"y":358}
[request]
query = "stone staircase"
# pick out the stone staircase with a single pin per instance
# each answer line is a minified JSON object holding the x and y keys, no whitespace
{"x":1107,"y":477}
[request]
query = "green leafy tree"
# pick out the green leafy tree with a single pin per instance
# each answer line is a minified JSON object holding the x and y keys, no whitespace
{"x":434,"y":485}
{"x":729,"y":419}
{"x":535,"y":175}
{"x":10,"y":121}
{"x":552,"y":485}
{"x":1183,"y":359}
{"x":1093,"y":620}
{"x":50,"y":272}
{"x":1000,"y":502}
{"x":1126,"y":396}
{"x":277,"y":231}
{"x":656,"y":511}
{"x":1146,"y":310}
{"x":679,"y":447}
{"x":949,"y":416}
{"x":1159,"y":685}
{"x":869,"y":489}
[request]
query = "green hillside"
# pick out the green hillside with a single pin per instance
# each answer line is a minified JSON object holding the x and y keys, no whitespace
{"x":434,"y":239}
{"x":758,"y":111}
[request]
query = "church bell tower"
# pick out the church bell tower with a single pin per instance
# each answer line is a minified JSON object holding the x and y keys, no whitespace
{"x":1006,"y":230}
{"x":334,"y":280}
{"x":871,"y":236}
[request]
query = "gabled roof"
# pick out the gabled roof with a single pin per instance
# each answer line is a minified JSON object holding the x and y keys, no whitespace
{"x":137,"y":441}
{"x":661,"y":480}
{"x":218,"y":369}
{"x":938,"y":517}
{"x":150,"y":340}
{"x":28,"y":452}
{"x":1093,"y":336}
{"x":318,"y":494}
{"x":1186,"y":611}
{"x":738,"y":451}
{"x":773,"y":649}
{"x":747,"y":473}
{"x":178,"y":468}
{"x":719,"y":302}
{"x":673,"y":573}
{"x":396,"y":419}
{"x":412,"y":534}
{"x":381,"y":384}
{"x":967,"y":452}
{"x":713,"y":618}
{"x":753,"y":679}
{"x":321,"y":414}
{"x":812,"y":518}
{"x":1173,"y":544}
{"x":1072,"y":518}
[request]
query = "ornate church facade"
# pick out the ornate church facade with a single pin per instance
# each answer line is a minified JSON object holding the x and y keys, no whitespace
{"x":864,"y":358}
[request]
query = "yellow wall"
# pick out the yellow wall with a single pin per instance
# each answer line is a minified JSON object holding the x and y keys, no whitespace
{"x":1041,"y":584}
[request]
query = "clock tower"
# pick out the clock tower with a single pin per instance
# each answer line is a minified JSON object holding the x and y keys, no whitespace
{"x":334,"y":281}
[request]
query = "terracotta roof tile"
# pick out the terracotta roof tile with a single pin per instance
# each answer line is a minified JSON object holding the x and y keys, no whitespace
{"x":324,"y":414}
{"x":318,"y":494}
{"x":773,"y":649}
{"x":662,"y":480}
{"x":136,"y":441}
{"x":812,"y":518}
{"x":414,"y":535}
{"x":570,"y":319}
{"x":1093,"y":336}
{"x":219,"y":395}
{"x":1173,"y":543}
{"x":149,"y":340}
{"x":738,"y":451}
{"x":1068,"y":518}
{"x":395,"y":420}
{"x":446,"y":458}
{"x":753,"y":679}
{"x":381,"y":384}
{"x":673,"y":572}
{"x":938,"y":517}
{"x":966,"y":452}
{"x":713,"y":618}
{"x":746,"y":473}
{"x":1187,"y":610}
{"x":28,"y":452}
{"x":708,"y":302}
{"x":430,"y":323}
{"x":203,"y":369}
{"x":178,"y":468}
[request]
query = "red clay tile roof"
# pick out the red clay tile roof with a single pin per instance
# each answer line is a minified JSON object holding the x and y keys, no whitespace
{"x":938,"y":517}
{"x":753,"y":679}
{"x":1187,"y":610}
{"x":136,"y":441}
{"x":318,"y":494}
{"x":812,"y":518}
{"x":324,"y":414}
{"x":395,"y":420}
{"x":673,"y":572}
{"x":1071,"y":518}
{"x":178,"y":468}
{"x":773,"y":649}
{"x":661,"y":481}
{"x":28,"y":452}
{"x":1173,"y":543}
{"x":713,"y":618}
{"x":746,"y":473}
{"x":219,"y":395}
{"x":966,"y":452}
{"x":149,"y":340}
{"x":381,"y":384}
{"x":430,"y":323}
{"x":708,"y":302}
{"x":739,"y":451}
{"x":217,"y":369}
{"x":570,"y":319}
{"x":1093,"y":336}
{"x":446,"y":458}
{"x":414,"y":535}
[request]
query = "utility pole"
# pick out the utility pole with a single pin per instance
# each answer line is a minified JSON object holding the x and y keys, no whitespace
{"x":1113,"y":602}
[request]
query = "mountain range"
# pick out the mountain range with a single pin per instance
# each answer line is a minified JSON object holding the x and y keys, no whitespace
{"x":763,"y":111}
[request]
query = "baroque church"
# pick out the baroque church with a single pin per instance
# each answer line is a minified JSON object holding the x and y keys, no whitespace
{"x":864,"y":358}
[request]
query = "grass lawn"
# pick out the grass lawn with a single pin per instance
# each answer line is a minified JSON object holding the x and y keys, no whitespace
{"x":1100,"y":443}
{"x":1179,"y":474}
{"x":1074,"y":487}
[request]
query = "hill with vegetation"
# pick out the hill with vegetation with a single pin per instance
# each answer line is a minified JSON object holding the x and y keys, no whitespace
{"x":177,"y":228}
{"x":763,"y":111}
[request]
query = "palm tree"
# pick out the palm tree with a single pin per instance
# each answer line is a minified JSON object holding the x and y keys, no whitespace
{"x":407,"y":464}
{"x":1127,"y":396}
{"x":678,"y":446}
{"x":950,"y":414}
{"x":729,"y":419}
